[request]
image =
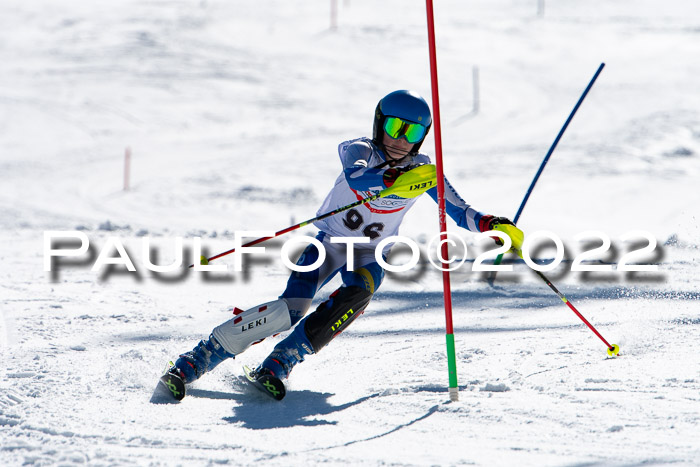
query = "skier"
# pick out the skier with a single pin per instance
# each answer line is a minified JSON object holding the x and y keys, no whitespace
{"x":402,"y":120}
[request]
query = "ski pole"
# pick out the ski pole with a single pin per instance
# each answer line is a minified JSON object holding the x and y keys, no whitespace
{"x":408,"y":185}
{"x":614,"y":349}
{"x":517,"y":240}
{"x":499,"y":258}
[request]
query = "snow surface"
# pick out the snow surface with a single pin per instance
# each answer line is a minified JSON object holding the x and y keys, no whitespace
{"x":233,"y":111}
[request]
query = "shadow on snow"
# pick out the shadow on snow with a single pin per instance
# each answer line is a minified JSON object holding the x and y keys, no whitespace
{"x":298,"y":408}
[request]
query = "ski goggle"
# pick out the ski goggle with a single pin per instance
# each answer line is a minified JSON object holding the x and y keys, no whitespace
{"x":396,"y":128}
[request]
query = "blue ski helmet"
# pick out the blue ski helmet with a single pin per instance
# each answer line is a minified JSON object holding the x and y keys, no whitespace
{"x":408,"y":106}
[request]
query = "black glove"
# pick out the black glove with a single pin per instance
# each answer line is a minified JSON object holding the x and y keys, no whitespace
{"x":487,"y":223}
{"x":390,"y":175}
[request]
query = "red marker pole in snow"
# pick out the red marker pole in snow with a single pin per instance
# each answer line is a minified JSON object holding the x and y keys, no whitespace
{"x":450,"y":337}
{"x":334,"y":15}
{"x":127,"y":168}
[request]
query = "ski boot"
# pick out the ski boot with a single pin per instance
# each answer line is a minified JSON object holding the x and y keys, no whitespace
{"x":203,"y":358}
{"x":268,"y":376}
{"x":287,"y":354}
{"x":193,"y":364}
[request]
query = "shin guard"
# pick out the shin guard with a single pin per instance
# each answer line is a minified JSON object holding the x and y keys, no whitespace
{"x":253,"y":325}
{"x":335,"y":314}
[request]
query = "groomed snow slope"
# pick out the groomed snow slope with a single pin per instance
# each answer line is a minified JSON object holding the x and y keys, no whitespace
{"x":233,"y":112}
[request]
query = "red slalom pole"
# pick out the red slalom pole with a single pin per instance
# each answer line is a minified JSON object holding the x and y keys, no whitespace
{"x":447,"y":293}
{"x":613,"y":350}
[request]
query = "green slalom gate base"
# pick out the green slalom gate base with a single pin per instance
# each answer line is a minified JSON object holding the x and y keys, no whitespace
{"x":452,"y":368}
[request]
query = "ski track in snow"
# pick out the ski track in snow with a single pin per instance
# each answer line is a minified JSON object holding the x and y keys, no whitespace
{"x":231,"y":110}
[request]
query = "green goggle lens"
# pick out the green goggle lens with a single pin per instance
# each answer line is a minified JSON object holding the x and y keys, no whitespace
{"x":396,"y":128}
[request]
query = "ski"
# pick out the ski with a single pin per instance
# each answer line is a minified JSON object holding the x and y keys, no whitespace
{"x":269,"y":384}
{"x":174,"y":384}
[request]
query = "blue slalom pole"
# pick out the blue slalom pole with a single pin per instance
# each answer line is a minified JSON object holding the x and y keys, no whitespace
{"x":556,"y":141}
{"x":546,"y":159}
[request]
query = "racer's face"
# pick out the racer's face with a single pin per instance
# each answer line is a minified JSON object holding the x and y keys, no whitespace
{"x":396,"y":148}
